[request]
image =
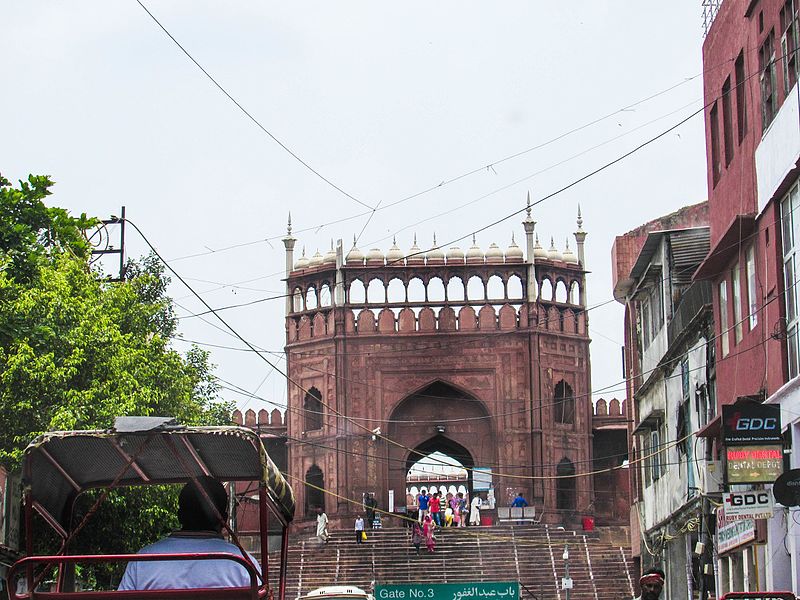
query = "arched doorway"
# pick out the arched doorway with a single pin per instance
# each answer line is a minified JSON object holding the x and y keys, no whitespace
{"x":315,"y":490}
{"x":438,"y":425}
{"x":439,"y":464}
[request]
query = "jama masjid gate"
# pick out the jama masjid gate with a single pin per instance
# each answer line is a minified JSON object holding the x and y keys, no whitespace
{"x":479,"y":352}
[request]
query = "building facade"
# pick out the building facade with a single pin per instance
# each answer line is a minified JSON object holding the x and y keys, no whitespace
{"x":752,"y":149}
{"x":669,"y":370}
{"x":482,"y":356}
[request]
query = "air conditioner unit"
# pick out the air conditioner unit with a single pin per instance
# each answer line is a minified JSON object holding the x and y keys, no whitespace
{"x":712,"y":477}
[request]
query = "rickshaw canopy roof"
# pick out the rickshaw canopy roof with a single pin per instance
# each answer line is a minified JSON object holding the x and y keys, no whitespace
{"x":58,"y":466}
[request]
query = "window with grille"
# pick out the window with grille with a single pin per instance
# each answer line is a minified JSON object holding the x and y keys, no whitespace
{"x":766,"y":65}
{"x":790,"y":224}
{"x":789,"y":44}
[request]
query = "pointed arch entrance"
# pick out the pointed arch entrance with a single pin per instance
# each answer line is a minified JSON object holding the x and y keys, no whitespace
{"x":439,"y":419}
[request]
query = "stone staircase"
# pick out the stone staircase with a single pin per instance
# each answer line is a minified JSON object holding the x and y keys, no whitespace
{"x":532,"y":555}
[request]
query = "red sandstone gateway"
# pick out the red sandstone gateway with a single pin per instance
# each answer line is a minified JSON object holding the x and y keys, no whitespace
{"x":142,"y":451}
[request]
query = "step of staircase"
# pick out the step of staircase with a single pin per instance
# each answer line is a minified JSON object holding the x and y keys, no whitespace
{"x":530,"y":554}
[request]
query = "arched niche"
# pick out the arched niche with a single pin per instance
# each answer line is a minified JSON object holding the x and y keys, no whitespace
{"x":325,"y":298}
{"x":495,"y":290}
{"x":435,"y":290}
{"x":475,"y":289}
{"x":574,"y":296}
{"x":514,"y":288}
{"x":386,"y":322}
{"x":357,"y":293}
{"x":565,"y":485}
{"x":315,"y":490}
{"x":376,"y":292}
{"x":561,"y":291}
{"x":312,"y":410}
{"x":487,"y":318}
{"x":563,"y":403}
{"x":416,"y":290}
{"x":546,"y":290}
{"x":467,"y":319}
{"x":455,"y":290}
{"x":419,"y":423}
{"x":406,"y":321}
{"x":396,"y":291}
{"x":311,"y":298}
{"x":447,"y":319}
{"x":366,"y":321}
{"x":297,"y":300}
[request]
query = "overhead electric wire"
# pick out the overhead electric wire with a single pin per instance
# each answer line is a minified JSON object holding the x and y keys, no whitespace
{"x":247,"y":113}
{"x":568,"y":186}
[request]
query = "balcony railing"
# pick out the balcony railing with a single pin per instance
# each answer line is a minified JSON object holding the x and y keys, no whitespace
{"x":693,"y":301}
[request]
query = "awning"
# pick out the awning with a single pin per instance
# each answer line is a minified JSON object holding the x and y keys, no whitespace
{"x":727,"y":247}
{"x":58,"y":466}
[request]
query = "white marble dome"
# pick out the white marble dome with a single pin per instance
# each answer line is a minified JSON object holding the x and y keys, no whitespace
{"x":434,"y":256}
{"x":553,"y":253}
{"x":538,"y":251}
{"x":474,"y":254}
{"x":494,"y":254}
{"x":455,"y":256}
{"x":375,"y":256}
{"x":302,"y":262}
{"x":316,"y":260}
{"x":355,"y":256}
{"x":514,"y":252}
{"x":569,"y":256}
{"x":330,"y":256}
{"x":395,"y":255}
{"x":415,"y":256}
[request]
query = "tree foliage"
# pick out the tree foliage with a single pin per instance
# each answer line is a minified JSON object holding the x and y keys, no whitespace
{"x":77,"y":350}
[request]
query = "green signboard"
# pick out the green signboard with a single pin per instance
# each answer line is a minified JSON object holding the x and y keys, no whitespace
{"x":475,"y":590}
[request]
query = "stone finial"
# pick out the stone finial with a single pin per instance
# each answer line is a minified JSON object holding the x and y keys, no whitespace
{"x":580,"y":219}
{"x":289,"y":225}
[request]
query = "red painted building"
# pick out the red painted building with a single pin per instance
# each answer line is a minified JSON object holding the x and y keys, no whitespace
{"x":481,"y":355}
{"x":753,"y":146}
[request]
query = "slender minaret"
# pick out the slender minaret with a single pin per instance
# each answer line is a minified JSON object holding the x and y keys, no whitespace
{"x":289,"y":242}
{"x":529,"y":225}
{"x":338,"y":292}
{"x":580,"y":238}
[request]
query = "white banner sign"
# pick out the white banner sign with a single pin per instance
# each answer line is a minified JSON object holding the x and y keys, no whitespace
{"x":755,"y":504}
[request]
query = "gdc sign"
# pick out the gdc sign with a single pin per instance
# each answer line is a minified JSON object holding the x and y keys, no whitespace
{"x":748,"y":505}
{"x":751,"y":424}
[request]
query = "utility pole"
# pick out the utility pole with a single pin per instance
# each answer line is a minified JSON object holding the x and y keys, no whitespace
{"x":566,"y":583}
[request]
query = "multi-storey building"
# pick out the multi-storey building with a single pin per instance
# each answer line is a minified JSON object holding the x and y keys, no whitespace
{"x":670,"y":380}
{"x":482,"y":356}
{"x":752,"y":121}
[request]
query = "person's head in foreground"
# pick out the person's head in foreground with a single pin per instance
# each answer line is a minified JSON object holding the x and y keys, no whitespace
{"x":195,"y":513}
{"x":652,"y":582}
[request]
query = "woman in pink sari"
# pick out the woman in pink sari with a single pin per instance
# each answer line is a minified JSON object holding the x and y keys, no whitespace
{"x":427,"y":530}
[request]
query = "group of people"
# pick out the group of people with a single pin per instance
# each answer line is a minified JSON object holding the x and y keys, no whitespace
{"x":452,"y":510}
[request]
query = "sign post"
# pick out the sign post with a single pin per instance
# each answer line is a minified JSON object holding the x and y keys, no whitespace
{"x":477,"y":590}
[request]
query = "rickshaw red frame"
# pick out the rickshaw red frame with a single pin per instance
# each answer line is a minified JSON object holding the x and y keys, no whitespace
{"x":140,"y":451}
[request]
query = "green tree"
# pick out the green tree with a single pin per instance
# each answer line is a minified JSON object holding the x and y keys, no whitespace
{"x":77,"y":350}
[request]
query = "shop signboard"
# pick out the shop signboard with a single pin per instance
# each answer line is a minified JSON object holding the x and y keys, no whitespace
{"x":755,"y":504}
{"x":732,"y":533}
{"x":476,"y":590}
{"x":481,"y":479}
{"x":751,"y":423}
{"x":753,"y":464}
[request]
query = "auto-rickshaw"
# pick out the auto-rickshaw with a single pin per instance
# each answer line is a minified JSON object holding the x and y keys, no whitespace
{"x":140,"y":451}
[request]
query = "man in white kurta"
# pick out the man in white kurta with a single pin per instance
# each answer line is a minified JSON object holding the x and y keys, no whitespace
{"x":322,"y":526}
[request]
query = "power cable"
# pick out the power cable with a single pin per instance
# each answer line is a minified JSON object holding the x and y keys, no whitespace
{"x":247,"y":113}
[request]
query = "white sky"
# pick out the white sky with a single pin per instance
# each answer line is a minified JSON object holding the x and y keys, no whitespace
{"x":385,"y":100}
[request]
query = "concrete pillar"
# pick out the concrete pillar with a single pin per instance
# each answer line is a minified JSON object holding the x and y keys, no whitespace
{"x":529,"y":225}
